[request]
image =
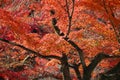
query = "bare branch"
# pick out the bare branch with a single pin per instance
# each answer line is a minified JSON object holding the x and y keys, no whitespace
{"x":97,"y":59}
{"x":76,"y":68}
{"x":111,"y":21}
{"x":67,"y":8}
{"x":58,"y":31}
{"x":56,"y":28}
{"x":70,"y":15}
{"x":80,"y":52}
{"x":65,"y":67}
{"x":29,"y":50}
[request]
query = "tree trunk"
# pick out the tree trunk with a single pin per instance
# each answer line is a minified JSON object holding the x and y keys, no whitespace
{"x":65,"y":68}
{"x":78,"y":73}
{"x":86,"y":75}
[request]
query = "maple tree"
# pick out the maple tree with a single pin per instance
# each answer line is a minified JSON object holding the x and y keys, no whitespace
{"x":73,"y":37}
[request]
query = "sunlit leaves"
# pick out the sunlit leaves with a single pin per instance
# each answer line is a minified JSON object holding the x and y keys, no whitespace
{"x":53,"y":44}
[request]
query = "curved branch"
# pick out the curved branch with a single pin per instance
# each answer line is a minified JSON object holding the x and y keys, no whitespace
{"x":60,"y":33}
{"x":29,"y":50}
{"x":97,"y":59}
{"x":80,"y":52}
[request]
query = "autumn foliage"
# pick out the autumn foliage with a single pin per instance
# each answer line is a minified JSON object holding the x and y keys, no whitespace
{"x":60,"y":39}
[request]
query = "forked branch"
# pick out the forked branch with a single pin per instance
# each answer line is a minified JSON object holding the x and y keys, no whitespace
{"x":80,"y":52}
{"x":70,"y":15}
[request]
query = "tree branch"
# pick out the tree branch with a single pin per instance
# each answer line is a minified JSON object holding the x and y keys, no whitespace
{"x":65,"y":67}
{"x":80,"y":52}
{"x":115,"y":69}
{"x":76,"y":68}
{"x":70,"y":15}
{"x":108,"y":11}
{"x":57,"y":30}
{"x":97,"y":59}
{"x":60,"y":33}
{"x":67,"y":7}
{"x":29,"y":50}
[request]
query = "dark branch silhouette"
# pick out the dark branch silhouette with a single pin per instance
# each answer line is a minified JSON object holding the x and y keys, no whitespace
{"x":29,"y":50}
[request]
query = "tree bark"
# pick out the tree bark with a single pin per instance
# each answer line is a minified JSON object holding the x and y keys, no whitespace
{"x":86,"y":75}
{"x":65,"y":68}
{"x":112,"y":74}
{"x":77,"y":73}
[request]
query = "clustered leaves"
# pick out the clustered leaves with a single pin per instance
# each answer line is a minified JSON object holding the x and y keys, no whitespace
{"x":50,"y":37}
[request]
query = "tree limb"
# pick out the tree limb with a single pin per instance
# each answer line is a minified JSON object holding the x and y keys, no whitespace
{"x":29,"y":50}
{"x":58,"y":31}
{"x":80,"y":52}
{"x":97,"y":59}
{"x":76,"y":68}
{"x":70,"y":15}
{"x":65,"y":67}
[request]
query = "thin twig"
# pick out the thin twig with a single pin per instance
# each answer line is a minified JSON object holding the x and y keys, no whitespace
{"x":70,"y":15}
{"x":112,"y":23}
{"x":67,"y":8}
